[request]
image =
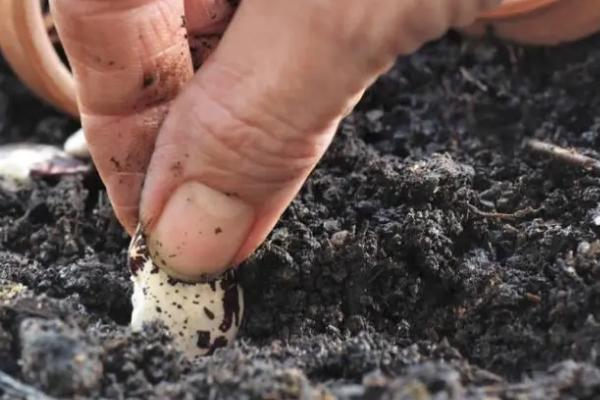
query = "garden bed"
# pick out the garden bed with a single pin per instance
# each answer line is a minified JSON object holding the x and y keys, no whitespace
{"x":431,"y":252}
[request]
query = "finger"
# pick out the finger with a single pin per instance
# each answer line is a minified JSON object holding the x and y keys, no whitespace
{"x":206,"y":21}
{"x":243,"y":137}
{"x":129,"y":59}
{"x":208,"y":17}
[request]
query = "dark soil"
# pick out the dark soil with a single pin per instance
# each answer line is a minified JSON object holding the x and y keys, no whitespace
{"x":390,"y":276}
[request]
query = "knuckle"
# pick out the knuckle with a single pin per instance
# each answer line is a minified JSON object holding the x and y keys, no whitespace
{"x":257,"y":150}
{"x":245,"y":139}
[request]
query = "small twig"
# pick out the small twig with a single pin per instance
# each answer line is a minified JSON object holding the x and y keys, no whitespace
{"x":508,"y":388}
{"x":512,"y":216}
{"x":533,"y":298}
{"x":568,"y":156}
{"x":470,"y":78}
{"x":13,"y":387}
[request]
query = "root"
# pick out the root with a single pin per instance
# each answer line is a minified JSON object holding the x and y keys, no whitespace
{"x":519,"y":214}
{"x":568,"y":156}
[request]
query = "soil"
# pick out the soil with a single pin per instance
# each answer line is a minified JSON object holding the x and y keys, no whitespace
{"x":431,"y":255}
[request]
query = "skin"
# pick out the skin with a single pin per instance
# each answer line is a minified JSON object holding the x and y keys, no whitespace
{"x":208,"y":161}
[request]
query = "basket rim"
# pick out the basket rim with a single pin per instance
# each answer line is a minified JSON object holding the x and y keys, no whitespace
{"x":514,"y":8}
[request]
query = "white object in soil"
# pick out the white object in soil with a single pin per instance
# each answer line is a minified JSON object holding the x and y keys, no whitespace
{"x":200,"y":317}
{"x":76,"y":145}
{"x":20,"y":161}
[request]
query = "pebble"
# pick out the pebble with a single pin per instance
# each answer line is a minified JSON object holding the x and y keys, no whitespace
{"x":583,"y":247}
{"x":339,"y":238}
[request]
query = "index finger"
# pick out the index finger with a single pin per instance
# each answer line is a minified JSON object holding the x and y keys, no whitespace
{"x":130,"y":58}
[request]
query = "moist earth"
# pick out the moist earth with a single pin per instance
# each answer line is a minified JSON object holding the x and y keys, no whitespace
{"x":431,"y":255}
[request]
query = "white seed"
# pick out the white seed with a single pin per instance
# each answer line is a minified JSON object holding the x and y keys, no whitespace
{"x":76,"y":145}
{"x":20,"y":161}
{"x":200,"y":317}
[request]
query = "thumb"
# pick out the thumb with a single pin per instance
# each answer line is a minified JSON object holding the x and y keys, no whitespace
{"x":242,"y":138}
{"x":235,"y":148}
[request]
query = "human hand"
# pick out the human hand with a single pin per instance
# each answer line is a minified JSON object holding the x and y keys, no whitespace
{"x":210,"y":161}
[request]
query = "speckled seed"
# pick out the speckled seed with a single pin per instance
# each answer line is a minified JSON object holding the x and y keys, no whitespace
{"x":199,"y":316}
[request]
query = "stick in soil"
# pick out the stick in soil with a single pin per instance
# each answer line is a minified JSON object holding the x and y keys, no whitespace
{"x":13,"y":387}
{"x":568,"y":156}
{"x":526,"y":212}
